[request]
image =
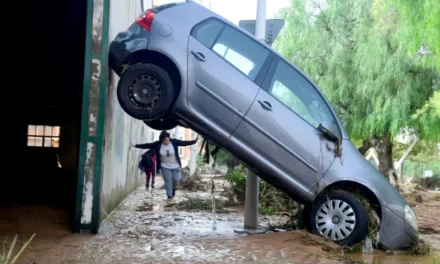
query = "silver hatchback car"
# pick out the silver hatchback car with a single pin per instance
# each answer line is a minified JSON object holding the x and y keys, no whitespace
{"x":182,"y":64}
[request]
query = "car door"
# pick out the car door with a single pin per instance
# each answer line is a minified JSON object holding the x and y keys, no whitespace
{"x":281,"y":127}
{"x":223,"y":73}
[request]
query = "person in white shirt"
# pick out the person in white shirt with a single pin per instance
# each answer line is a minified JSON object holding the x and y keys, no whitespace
{"x":168,"y":160}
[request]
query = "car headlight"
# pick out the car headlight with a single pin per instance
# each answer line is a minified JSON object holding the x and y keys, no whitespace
{"x":410,"y":217}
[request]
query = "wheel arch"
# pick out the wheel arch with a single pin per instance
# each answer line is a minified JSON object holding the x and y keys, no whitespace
{"x":352,"y":187}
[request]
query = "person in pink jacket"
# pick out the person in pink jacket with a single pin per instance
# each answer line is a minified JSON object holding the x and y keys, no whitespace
{"x":148,"y":165}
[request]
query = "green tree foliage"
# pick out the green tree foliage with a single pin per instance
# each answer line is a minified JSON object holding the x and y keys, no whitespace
{"x":414,"y":23}
{"x":435,"y":102}
{"x":373,"y":84}
{"x":431,"y":107}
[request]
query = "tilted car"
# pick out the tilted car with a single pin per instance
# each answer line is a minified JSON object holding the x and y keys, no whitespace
{"x":182,"y":64}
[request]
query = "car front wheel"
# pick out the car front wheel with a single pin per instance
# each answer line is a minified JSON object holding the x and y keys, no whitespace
{"x":339,"y":217}
{"x":145,"y":91}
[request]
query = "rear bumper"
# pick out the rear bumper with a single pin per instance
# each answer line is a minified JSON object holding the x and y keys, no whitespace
{"x":395,"y":233}
{"x":125,"y":44}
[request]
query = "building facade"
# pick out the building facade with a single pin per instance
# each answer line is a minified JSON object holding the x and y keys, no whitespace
{"x":107,"y":167}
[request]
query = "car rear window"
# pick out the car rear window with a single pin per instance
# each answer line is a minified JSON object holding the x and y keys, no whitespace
{"x":207,"y":31}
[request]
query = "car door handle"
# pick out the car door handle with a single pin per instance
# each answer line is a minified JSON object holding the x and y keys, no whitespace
{"x":265,"y":105}
{"x":199,"y":56}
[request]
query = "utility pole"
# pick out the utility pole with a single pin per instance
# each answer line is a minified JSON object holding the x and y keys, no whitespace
{"x":176,"y":132}
{"x":252,"y":181}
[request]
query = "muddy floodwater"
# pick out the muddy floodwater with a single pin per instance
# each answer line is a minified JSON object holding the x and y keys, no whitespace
{"x":146,"y":229}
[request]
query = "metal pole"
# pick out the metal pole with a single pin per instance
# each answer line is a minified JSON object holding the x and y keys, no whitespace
{"x":252,"y":181}
{"x":260,"y":23}
{"x":251,"y":201}
{"x":176,"y":132}
{"x":192,"y":157}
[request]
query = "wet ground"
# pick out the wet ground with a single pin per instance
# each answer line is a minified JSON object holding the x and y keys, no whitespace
{"x":146,"y":229}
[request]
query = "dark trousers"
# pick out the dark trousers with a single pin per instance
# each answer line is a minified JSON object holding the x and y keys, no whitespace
{"x":150,"y":173}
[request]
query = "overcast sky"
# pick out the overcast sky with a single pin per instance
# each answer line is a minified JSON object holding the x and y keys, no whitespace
{"x":236,"y":10}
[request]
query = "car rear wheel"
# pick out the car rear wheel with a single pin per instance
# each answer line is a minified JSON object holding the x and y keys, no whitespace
{"x":339,"y":217}
{"x":145,"y":91}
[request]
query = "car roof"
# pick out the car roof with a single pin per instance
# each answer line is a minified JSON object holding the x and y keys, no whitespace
{"x":213,"y":14}
{"x":228,"y":22}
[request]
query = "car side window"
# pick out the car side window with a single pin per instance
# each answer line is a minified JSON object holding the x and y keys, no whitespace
{"x":207,"y":31}
{"x":241,"y":51}
{"x":298,"y":94}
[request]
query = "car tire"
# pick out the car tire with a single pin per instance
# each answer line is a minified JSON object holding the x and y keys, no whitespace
{"x":347,"y":219}
{"x":145,"y":91}
{"x":166,"y":123}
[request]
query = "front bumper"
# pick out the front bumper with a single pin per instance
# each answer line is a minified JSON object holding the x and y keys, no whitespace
{"x":395,"y":233}
{"x":125,"y":44}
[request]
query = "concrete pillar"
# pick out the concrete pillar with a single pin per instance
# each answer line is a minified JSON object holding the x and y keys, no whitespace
{"x":251,"y":202}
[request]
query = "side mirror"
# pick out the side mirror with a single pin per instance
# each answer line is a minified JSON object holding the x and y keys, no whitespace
{"x":329,"y":131}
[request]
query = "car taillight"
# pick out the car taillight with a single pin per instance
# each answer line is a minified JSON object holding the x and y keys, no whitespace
{"x":146,"y":19}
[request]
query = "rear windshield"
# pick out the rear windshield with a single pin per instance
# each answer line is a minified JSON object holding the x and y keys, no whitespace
{"x":157,"y":9}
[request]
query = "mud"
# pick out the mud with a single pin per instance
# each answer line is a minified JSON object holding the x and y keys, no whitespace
{"x":147,"y":229}
{"x":428,"y":215}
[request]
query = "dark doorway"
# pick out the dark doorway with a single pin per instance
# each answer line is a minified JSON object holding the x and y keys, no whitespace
{"x":40,"y":189}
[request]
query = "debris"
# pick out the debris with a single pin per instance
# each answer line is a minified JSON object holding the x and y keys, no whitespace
{"x":389,"y":253}
{"x":368,"y":246}
{"x":214,"y":216}
{"x":249,"y":232}
{"x":356,"y":248}
{"x":430,"y":183}
{"x":421,"y":249}
{"x":314,"y":240}
{"x":193,"y":183}
{"x":428,"y":231}
{"x":199,"y":204}
{"x":288,"y":225}
{"x":272,"y":200}
{"x":413,"y":198}
{"x":6,"y":259}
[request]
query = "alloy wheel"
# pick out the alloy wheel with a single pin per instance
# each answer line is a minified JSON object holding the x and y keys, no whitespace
{"x":335,"y":220}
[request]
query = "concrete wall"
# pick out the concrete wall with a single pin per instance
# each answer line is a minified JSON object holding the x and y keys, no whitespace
{"x":120,"y":172}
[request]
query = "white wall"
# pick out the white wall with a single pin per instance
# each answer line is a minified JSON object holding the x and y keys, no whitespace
{"x":120,"y":172}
